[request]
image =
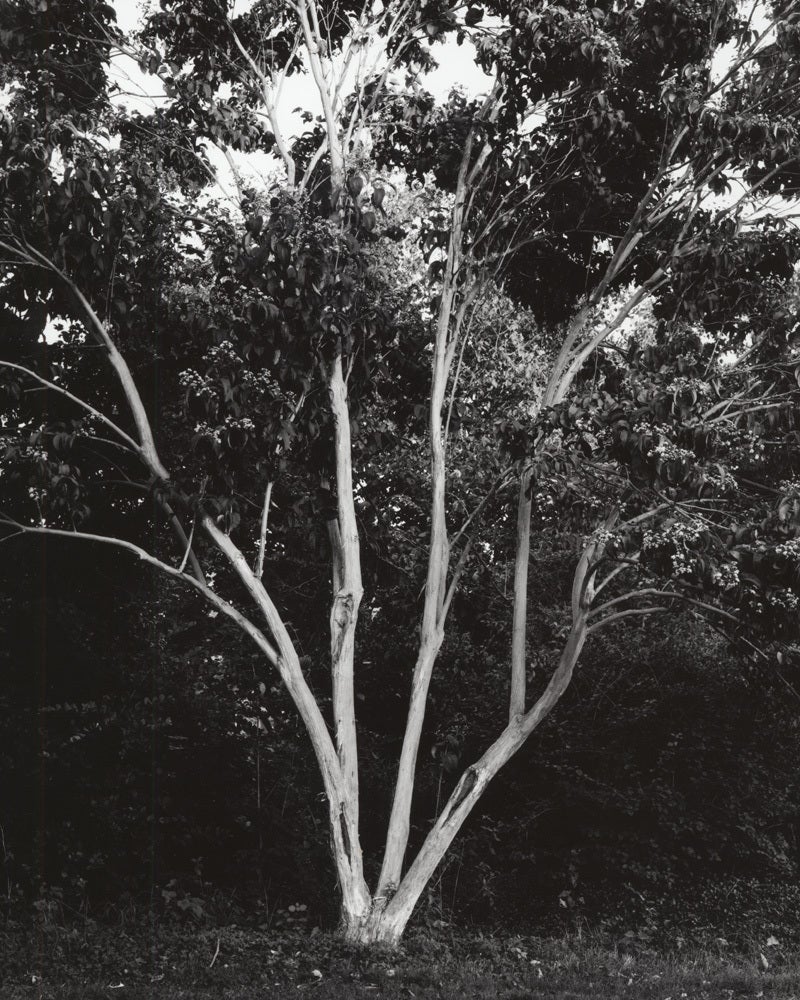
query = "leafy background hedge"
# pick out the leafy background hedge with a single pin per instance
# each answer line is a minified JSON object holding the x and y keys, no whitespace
{"x":661,"y":800}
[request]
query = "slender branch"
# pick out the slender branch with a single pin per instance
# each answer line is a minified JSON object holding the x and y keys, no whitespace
{"x":478,"y":775}
{"x":672,"y":595}
{"x":189,"y":554}
{"x":312,"y":163}
{"x":235,"y":172}
{"x":265,"y":85}
{"x":502,"y":480}
{"x":262,"y":536}
{"x":431,"y":634}
{"x":630,"y":612}
{"x":455,"y":579}
{"x":287,"y":660}
{"x":347,"y":853}
{"x":737,"y":64}
{"x":614,"y":572}
{"x":312,"y":39}
{"x":75,"y":399}
{"x":146,"y":447}
{"x":213,"y":598}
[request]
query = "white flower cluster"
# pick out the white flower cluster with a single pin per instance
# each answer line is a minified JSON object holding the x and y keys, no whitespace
{"x":261,"y":382}
{"x":230,"y":423}
{"x":680,"y":535}
{"x":682,"y":562}
{"x":222,"y":352}
{"x":207,"y":431}
{"x":756,"y":448}
{"x":653,"y":540}
{"x":790,"y":549}
{"x":721,"y":478}
{"x":197,"y":385}
{"x":669,"y":451}
{"x":682,"y":531}
{"x":786,"y":599}
{"x":742,"y":445}
{"x":602,"y":536}
{"x":682,"y":382}
{"x":726,"y":434}
{"x":29,"y":452}
{"x":726,"y":576}
{"x":243,"y":423}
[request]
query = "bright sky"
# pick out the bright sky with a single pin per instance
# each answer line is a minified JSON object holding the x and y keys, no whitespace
{"x":140,"y":91}
{"x":457,"y":67}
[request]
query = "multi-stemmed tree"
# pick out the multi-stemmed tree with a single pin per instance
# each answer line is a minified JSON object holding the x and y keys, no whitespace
{"x":623,"y":155}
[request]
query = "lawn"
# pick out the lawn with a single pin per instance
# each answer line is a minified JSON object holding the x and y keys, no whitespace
{"x":178,"y":961}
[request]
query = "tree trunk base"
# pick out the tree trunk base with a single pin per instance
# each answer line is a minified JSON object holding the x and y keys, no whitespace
{"x":373,"y":928}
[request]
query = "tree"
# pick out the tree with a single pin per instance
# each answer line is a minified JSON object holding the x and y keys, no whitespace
{"x":268,"y":338}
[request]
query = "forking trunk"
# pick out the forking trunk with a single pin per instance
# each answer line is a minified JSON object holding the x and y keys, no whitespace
{"x":383,"y":919}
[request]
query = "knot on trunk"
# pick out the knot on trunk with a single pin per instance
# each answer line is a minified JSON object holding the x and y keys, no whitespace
{"x":343,"y":608}
{"x":382,"y":901}
{"x":464,"y":789}
{"x":342,"y":616}
{"x":345,"y":834}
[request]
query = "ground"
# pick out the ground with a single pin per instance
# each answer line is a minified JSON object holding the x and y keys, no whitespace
{"x":149,"y":960}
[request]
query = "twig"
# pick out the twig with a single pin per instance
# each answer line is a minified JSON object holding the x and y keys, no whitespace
{"x":186,"y":554}
{"x":262,"y":538}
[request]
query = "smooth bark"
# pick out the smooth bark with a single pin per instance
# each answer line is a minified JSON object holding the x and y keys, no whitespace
{"x":473,"y":782}
{"x":519,"y":623}
{"x":355,"y":895}
{"x":431,"y":634}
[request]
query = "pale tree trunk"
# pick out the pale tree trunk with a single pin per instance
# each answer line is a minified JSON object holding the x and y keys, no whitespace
{"x":438,"y":558}
{"x":347,"y":593}
{"x":392,"y":915}
{"x":556,"y":389}
{"x":386,"y":922}
{"x":338,"y":765}
{"x":354,"y":892}
{"x":519,"y":623}
{"x":472,"y":785}
{"x":343,"y":532}
{"x":575,"y":347}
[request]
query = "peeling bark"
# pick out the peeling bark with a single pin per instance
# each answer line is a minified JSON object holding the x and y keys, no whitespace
{"x":344,"y":614}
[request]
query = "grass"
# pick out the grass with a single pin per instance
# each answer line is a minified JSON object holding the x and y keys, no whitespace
{"x":178,"y":961}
